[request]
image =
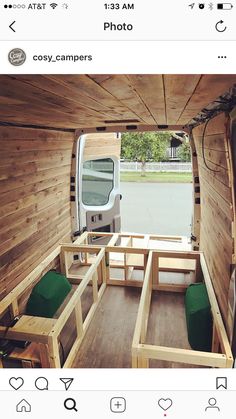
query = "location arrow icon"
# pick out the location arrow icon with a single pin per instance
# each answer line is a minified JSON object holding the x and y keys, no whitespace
{"x":67,"y":382}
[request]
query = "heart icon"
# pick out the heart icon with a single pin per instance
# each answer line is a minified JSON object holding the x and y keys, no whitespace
{"x":16,"y":383}
{"x":165,"y":404}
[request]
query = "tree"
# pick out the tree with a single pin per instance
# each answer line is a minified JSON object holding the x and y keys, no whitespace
{"x":184,"y":151}
{"x":144,"y":147}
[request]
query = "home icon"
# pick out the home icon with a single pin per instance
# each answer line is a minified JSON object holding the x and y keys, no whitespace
{"x":23,"y":407}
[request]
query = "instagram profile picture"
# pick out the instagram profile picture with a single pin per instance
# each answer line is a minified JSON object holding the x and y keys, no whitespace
{"x":17,"y":56}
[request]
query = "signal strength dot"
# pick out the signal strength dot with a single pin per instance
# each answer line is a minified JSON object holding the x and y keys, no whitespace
{"x":53,"y":5}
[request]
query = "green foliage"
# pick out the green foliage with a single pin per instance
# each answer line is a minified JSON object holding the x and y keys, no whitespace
{"x":184,"y":152}
{"x":145,"y":146}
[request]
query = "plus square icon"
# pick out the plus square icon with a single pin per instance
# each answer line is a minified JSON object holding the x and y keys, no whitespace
{"x":118,"y":405}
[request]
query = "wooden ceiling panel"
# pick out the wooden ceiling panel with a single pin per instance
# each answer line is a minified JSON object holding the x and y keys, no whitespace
{"x":86,"y":101}
{"x":88,"y":87}
{"x":151,"y":89}
{"x":70,"y":97}
{"x":209,"y":88}
{"x":121,"y":88}
{"x":178,"y":90}
{"x":40,"y":101}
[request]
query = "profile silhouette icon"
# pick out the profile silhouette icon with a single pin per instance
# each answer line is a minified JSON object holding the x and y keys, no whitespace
{"x":212,"y":405}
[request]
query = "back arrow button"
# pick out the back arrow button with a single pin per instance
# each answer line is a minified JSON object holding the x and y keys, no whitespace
{"x":11,"y":26}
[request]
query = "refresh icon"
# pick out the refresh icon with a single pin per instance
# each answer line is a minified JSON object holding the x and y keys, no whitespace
{"x":220,"y":26}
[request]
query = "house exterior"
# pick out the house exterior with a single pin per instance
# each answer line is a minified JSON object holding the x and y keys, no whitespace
{"x":177,"y":139}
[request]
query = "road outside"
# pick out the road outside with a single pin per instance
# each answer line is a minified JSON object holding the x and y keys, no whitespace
{"x":158,"y":208}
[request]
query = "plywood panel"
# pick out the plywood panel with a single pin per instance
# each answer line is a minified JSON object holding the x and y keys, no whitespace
{"x":102,"y":145}
{"x":178,"y":90}
{"x":209,"y":88}
{"x":217,"y":212}
{"x":121,"y":88}
{"x":151,"y":89}
{"x":86,"y":101}
{"x":35,"y":170}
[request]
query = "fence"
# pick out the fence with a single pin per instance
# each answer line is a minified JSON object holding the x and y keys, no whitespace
{"x":156,"y":167}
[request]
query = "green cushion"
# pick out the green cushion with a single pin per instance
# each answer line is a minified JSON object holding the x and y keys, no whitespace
{"x":198,"y":317}
{"x":48,"y":294}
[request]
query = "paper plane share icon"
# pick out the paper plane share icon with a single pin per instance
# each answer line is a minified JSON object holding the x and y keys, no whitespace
{"x":67,"y":382}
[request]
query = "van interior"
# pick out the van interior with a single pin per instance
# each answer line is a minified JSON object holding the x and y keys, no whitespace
{"x":75,"y":290}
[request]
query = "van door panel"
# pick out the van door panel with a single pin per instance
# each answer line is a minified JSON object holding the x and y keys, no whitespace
{"x":99,"y":182}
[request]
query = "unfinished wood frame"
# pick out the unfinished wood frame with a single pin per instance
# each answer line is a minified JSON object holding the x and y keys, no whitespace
{"x":135,"y":248}
{"x":221,"y":355}
{"x":46,"y":331}
{"x":97,"y":261}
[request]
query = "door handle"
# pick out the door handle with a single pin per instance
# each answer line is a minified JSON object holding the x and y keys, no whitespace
{"x":96,"y":218}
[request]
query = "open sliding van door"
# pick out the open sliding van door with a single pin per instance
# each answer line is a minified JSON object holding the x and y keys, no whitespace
{"x":98,"y":182}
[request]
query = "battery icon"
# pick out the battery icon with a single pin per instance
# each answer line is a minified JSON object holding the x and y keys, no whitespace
{"x":224,"y":6}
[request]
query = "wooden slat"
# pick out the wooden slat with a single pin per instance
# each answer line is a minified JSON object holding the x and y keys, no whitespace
{"x":215,"y":129}
{"x":183,"y":355}
{"x":86,"y":101}
{"x":35,"y":193}
{"x":151,"y":89}
{"x":121,"y":88}
{"x":97,"y":145}
{"x":218,"y":323}
{"x":217,"y":207}
{"x":209,"y":88}
{"x":178,"y":90}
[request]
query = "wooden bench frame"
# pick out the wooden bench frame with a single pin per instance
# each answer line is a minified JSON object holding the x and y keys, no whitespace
{"x":46,"y":331}
{"x":221,"y":355}
{"x":132,"y":255}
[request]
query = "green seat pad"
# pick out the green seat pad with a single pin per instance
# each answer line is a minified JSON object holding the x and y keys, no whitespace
{"x":48,"y":294}
{"x":198,"y":317}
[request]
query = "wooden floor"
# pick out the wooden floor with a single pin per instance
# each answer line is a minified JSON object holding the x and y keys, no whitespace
{"x":107,"y":343}
{"x":167,"y":326}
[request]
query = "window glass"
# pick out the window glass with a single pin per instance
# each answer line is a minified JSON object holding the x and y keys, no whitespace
{"x":97,"y":181}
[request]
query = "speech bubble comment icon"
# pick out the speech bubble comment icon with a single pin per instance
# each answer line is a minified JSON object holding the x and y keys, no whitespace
{"x":41,"y":383}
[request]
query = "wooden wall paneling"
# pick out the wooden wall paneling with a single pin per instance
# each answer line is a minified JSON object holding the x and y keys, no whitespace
{"x":217,"y":157}
{"x":211,"y":179}
{"x":99,"y":145}
{"x":39,"y":157}
{"x":15,"y":272}
{"x":218,"y":172}
{"x":35,"y":198}
{"x":27,"y":195}
{"x":217,"y":206}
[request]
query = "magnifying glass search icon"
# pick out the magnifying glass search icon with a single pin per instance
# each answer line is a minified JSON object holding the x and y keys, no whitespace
{"x":70,"y":404}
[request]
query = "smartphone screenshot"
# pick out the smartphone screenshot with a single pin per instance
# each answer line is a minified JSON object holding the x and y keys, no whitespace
{"x":117,"y":209}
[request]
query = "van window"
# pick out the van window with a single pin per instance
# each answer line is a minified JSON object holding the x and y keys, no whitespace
{"x":97,"y":181}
